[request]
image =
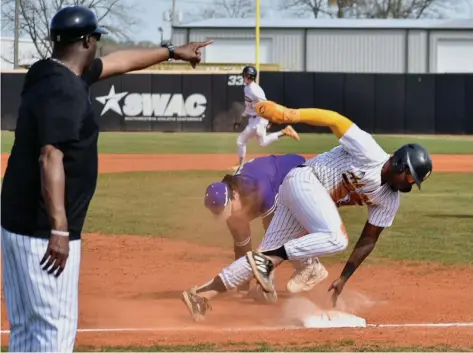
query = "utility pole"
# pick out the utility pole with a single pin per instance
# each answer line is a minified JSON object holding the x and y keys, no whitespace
{"x":173,"y":17}
{"x":16,"y":39}
{"x":173,"y":13}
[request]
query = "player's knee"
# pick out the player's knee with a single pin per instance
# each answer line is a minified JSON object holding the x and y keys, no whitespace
{"x":262,"y":141}
{"x":340,"y":239}
{"x":240,"y":141}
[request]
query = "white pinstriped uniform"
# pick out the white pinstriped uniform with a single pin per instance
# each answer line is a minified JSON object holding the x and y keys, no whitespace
{"x":256,"y":125}
{"x":39,"y":303}
{"x":349,"y":174}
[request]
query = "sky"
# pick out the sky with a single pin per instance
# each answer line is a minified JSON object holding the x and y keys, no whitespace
{"x":150,"y":14}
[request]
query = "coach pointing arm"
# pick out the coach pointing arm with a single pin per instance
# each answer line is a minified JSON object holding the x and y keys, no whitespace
{"x":124,"y":61}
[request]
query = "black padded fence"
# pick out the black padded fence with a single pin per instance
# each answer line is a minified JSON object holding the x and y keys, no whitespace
{"x":378,"y":103}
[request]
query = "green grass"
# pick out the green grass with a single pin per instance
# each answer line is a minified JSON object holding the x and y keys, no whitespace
{"x":118,"y":142}
{"x":435,"y":224}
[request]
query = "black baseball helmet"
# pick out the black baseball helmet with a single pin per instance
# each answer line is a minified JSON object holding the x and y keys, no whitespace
{"x":72,"y":23}
{"x":250,"y":72}
{"x":415,"y":159}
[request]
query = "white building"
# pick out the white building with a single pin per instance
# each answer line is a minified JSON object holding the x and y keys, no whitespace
{"x":27,"y":52}
{"x":339,"y":45}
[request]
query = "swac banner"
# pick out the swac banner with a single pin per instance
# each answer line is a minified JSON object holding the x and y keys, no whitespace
{"x":154,"y":102}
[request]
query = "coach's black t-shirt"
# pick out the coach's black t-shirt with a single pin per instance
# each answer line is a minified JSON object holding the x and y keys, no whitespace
{"x":55,"y":109}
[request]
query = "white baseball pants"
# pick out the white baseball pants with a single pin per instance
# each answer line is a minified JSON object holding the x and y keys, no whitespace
{"x":304,"y":206}
{"x":42,"y":309}
{"x":256,"y":128}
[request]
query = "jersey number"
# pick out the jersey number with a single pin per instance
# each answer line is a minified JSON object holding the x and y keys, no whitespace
{"x":235,"y":80}
{"x":238,"y":171}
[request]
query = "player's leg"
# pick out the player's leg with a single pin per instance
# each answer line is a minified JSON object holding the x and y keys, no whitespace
{"x":317,"y":213}
{"x":239,"y":272}
{"x":266,"y":139}
{"x":280,"y":114}
{"x":54,"y":301}
{"x":310,"y":205}
{"x":18,"y":308}
{"x":245,"y":136}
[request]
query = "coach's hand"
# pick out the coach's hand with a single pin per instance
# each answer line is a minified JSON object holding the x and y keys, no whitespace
{"x":337,"y":287}
{"x":191,"y":52}
{"x":56,"y":255}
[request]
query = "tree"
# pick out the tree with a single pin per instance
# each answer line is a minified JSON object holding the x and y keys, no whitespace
{"x":306,"y":8}
{"x":226,"y":9}
{"x":408,"y":9}
{"x":35,"y":16}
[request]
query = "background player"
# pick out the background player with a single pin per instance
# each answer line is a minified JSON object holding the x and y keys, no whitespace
{"x":257,"y":126}
{"x":253,"y":192}
{"x":357,"y":172}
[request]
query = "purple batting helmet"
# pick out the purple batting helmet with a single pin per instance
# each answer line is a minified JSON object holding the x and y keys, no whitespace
{"x":218,"y":200}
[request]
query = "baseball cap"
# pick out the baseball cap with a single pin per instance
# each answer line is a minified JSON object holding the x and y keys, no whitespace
{"x":217,"y":200}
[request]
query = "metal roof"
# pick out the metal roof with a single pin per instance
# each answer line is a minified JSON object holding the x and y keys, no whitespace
{"x":331,"y":23}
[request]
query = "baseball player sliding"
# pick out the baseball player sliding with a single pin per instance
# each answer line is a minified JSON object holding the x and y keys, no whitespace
{"x":257,"y":126}
{"x":250,"y":193}
{"x":357,"y":172}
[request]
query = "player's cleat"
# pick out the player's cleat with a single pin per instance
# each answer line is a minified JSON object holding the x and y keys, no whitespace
{"x":277,"y":113}
{"x":262,"y":266}
{"x":289,"y":131}
{"x":306,"y":278}
{"x":260,"y":296}
{"x":196,"y":304}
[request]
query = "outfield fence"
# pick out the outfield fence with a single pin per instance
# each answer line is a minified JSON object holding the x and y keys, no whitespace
{"x":213,"y":101}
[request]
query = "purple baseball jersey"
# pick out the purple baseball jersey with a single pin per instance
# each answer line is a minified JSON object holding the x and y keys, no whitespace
{"x":265,"y":175}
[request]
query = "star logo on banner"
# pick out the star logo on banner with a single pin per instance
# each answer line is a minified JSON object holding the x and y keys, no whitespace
{"x":111,"y":101}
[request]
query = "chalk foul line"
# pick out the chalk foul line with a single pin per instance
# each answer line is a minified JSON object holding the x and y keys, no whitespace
{"x":257,"y":328}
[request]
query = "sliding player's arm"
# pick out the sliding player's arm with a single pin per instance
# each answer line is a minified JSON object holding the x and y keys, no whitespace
{"x":380,"y":216}
{"x":241,"y":232}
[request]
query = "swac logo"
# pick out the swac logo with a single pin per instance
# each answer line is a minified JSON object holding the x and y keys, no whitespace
{"x":155,"y":107}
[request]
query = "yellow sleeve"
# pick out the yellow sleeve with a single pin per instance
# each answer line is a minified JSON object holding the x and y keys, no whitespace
{"x":280,"y":114}
{"x":321,"y":117}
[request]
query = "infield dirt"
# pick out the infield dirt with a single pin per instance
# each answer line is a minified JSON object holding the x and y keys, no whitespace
{"x":136,"y":282}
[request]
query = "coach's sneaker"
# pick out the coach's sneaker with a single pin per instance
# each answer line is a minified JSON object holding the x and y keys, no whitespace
{"x":262,"y":266}
{"x":196,"y":304}
{"x":306,"y":278}
{"x":289,"y":131}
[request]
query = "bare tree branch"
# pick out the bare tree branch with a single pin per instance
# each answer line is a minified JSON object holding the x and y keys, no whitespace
{"x":225,"y":9}
{"x":306,"y":8}
{"x":35,"y":16}
{"x":413,"y":9}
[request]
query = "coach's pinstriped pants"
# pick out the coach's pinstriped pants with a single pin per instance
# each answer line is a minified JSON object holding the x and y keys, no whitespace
{"x":42,"y":309}
{"x":305,"y":207}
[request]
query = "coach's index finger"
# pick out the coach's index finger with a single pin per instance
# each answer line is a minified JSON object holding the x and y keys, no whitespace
{"x":204,"y":44}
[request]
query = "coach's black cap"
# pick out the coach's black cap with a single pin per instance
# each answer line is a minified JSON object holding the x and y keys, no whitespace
{"x":72,"y":23}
